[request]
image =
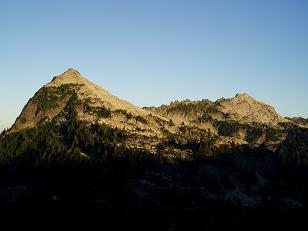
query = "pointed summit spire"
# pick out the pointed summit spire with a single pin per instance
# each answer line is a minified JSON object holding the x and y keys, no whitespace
{"x":71,"y":71}
{"x":67,"y":77}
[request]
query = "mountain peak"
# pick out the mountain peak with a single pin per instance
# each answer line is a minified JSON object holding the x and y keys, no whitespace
{"x":71,"y":71}
{"x":245,"y":108}
{"x":243,"y":96}
{"x":92,"y":99}
{"x":70,"y":76}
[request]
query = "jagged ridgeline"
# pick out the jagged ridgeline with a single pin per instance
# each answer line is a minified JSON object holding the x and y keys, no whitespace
{"x":175,"y":131}
{"x":79,"y":155}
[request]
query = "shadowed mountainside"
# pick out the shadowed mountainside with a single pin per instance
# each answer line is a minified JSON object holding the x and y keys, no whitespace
{"x":79,"y":156}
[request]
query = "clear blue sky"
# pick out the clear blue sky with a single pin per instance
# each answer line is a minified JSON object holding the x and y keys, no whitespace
{"x":153,"y":52}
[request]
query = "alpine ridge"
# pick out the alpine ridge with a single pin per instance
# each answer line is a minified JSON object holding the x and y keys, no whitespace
{"x":240,"y":120}
{"x":57,"y":93}
{"x":77,"y":153}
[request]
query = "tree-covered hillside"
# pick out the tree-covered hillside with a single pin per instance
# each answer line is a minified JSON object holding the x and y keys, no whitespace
{"x":75,"y":173}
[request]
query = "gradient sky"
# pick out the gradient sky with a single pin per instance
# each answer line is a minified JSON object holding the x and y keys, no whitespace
{"x":154,"y":52}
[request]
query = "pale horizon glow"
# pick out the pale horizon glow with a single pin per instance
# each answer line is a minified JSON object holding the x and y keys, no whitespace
{"x":154,"y":52}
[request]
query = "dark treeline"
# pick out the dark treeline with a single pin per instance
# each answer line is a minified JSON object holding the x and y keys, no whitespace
{"x":74,"y":174}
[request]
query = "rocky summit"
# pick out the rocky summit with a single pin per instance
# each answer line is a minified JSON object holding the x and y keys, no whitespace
{"x":77,"y":155}
{"x":239,"y":120}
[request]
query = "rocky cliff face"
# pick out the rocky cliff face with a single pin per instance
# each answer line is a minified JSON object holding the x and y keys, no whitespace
{"x":239,"y":120}
{"x":51,"y":99}
{"x":246,"y":109}
{"x":92,"y":104}
{"x":73,"y":149}
{"x":242,"y":108}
